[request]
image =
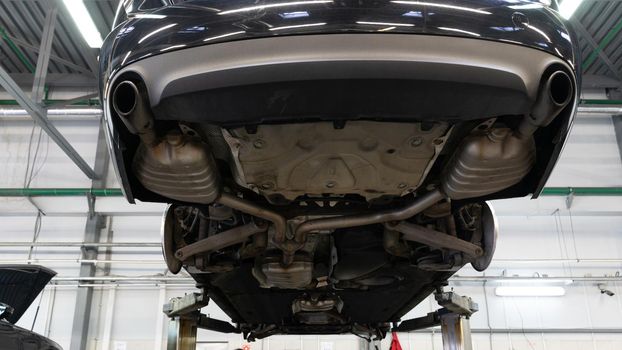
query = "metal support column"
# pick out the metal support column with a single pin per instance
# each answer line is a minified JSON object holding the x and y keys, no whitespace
{"x":617,"y":126}
{"x":92,"y":233}
{"x":84,"y":296}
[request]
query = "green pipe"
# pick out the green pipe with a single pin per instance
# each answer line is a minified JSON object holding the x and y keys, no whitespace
{"x":17,"y":51}
{"x":582,"y":191}
{"x":600,"y":102}
{"x":116,"y":192}
{"x":606,"y":40}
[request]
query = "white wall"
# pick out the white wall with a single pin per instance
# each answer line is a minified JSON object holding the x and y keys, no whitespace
{"x":541,"y":229}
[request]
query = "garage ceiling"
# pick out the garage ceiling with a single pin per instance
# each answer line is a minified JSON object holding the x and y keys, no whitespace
{"x":21,"y":22}
{"x":599,"y":24}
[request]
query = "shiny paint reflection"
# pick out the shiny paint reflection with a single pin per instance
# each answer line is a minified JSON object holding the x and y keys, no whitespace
{"x":224,"y":35}
{"x":299,"y":26}
{"x":199,"y":22}
{"x":267,"y":6}
{"x":433,"y":4}
{"x":156,"y":32}
{"x":458,"y":31}
{"x":386,"y":24}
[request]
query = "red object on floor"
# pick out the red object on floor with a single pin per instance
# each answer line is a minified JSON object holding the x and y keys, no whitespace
{"x":395,"y":343}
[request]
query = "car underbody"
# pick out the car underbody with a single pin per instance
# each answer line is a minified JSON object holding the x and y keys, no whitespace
{"x":336,"y":204}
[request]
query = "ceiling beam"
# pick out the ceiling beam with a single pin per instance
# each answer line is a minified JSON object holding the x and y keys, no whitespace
{"x":39,"y":115}
{"x":47,"y":37}
{"x":25,"y":45}
{"x":604,"y":42}
{"x":58,"y":80}
{"x":595,"y":48}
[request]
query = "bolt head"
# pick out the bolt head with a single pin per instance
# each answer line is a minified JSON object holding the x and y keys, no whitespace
{"x":416,"y":142}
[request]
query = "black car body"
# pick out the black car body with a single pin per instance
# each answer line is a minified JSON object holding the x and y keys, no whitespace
{"x":318,"y":154}
{"x":19,"y":287}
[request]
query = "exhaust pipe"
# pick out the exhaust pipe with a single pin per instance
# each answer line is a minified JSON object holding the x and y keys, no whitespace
{"x":289,"y":247}
{"x":279,"y":222}
{"x":553,"y":96}
{"x":124,"y":98}
{"x":414,"y":208}
{"x":130,"y":104}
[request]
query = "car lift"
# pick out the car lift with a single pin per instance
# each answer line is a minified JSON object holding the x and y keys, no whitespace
{"x":185,"y":318}
{"x":453,"y":318}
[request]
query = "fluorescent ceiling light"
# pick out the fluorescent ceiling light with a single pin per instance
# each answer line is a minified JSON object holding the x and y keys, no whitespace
{"x":84,"y":22}
{"x":530,"y":291}
{"x":568,"y":7}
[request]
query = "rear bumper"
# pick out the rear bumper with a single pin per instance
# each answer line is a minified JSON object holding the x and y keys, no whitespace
{"x":490,"y":78}
{"x":342,"y":56}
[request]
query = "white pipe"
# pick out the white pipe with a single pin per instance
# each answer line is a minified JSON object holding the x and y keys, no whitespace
{"x":50,"y":313}
{"x":535,"y":279}
{"x":612,"y":110}
{"x":82,"y":261}
{"x":452,"y":279}
{"x":591,"y":109}
{"x":140,"y":286}
{"x":159,"y":332}
{"x":108,"y":321}
{"x":121,"y":279}
{"x":16,"y":112}
{"x":556,"y":261}
{"x":82,"y":244}
{"x":160,"y":262}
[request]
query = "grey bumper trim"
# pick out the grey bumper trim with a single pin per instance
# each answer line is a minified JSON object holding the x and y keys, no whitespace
{"x":343,"y":56}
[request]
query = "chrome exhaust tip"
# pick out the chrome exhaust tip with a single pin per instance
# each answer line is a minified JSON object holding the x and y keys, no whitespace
{"x":125,"y":98}
{"x":559,"y":86}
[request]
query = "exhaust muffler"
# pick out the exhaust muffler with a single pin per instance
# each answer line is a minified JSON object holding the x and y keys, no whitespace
{"x":498,"y":158}
{"x":176,"y":166}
